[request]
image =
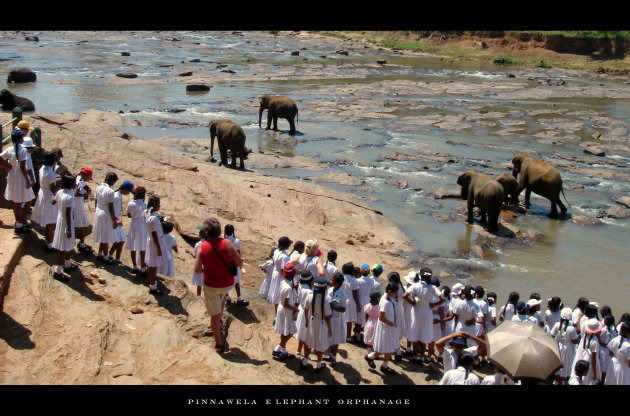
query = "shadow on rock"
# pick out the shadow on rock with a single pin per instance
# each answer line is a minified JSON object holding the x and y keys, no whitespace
{"x":16,"y":335}
{"x":350,"y":374}
{"x":79,"y":283}
{"x":242,"y":313}
{"x":237,"y":355}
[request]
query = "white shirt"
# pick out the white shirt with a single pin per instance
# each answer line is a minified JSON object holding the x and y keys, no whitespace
{"x":458,"y":377}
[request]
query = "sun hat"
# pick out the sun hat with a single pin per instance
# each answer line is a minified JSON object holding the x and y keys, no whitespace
{"x":435,"y":281}
{"x":306,"y":276}
{"x":593,"y":326}
{"x":288,"y":270}
{"x":87,"y":171}
{"x":566,"y":314}
{"x":28,"y":142}
{"x":320,"y":282}
{"x":127,"y":185}
{"x":533,"y":302}
{"x":377,"y":268}
{"x":23,"y":124}
{"x":412,"y":277}
{"x":457,"y":289}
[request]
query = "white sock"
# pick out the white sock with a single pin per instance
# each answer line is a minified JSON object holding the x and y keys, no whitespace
{"x":371,"y":356}
{"x":143,"y":270}
{"x":49,"y":245}
{"x":81,"y":244}
{"x":278,"y":348}
{"x":385,"y":364}
{"x":153,"y":286}
{"x":58,"y":269}
{"x":100,"y":254}
{"x":319,"y":364}
{"x":240,"y":298}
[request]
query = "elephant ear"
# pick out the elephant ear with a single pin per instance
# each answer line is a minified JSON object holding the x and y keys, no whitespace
{"x":464,"y":181}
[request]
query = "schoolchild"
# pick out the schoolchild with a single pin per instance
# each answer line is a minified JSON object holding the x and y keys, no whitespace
{"x":266,"y":267}
{"x":230,"y":235}
{"x":304,"y":288}
{"x":410,"y":334}
{"x":81,"y":219}
{"x":137,"y":236}
{"x":284,"y":324}
{"x":578,"y":313}
{"x":377,"y":271}
{"x":491,"y":298}
{"x":534,"y":303}
{"x":317,"y":314}
{"x":451,"y":346}
{"x":522,"y":314}
{"x":170,"y":243}
{"x":608,"y":333}
{"x":564,"y":332}
{"x":105,"y":220}
{"x":338,"y":301}
{"x":197,"y":278}
{"x":44,"y":212}
{"x":483,"y":306}
{"x":353,"y":307}
{"x":329,"y":267}
{"x":553,"y":313}
{"x":588,"y":349}
{"x":620,"y":348}
{"x":63,"y":239}
{"x":18,"y":189}
{"x":509,"y":309}
{"x":124,"y":189}
{"x":366,"y":285}
{"x":462,"y":374}
{"x":579,"y":374}
{"x":400,"y":312}
{"x":386,"y":334}
{"x":371,"y":316}
{"x":280,"y":258}
{"x":156,"y":249}
{"x":467,"y":315}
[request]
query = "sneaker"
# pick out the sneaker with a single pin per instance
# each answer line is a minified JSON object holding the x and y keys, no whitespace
{"x":416,"y":360}
{"x":135,"y":271}
{"x":398,"y":357}
{"x":370,"y":361}
{"x":333,"y":362}
{"x":61,"y":277}
{"x":22,"y":230}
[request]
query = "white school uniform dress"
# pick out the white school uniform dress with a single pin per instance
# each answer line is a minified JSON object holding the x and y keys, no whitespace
{"x":483,"y":307}
{"x":400,"y":315}
{"x":237,"y":243}
{"x":409,"y":332}
{"x":623,"y":355}
{"x":44,"y":212}
{"x":65,"y":200}
{"x":350,"y":284}
{"x":422,"y":317}
{"x":267,"y":267}
{"x":317,"y":336}
{"x":81,"y":219}
{"x":386,"y":338}
{"x":565,"y":338}
{"x":377,"y":283}
{"x":153,"y":224}
{"x":302,"y":293}
{"x":604,"y":357}
{"x":338,"y":320}
{"x":306,"y":263}
{"x":437,"y":327}
{"x":280,"y":258}
{"x":137,"y":235}
{"x":168,"y":265}
{"x":550,"y":319}
{"x":119,"y":231}
{"x":528,"y":319}
{"x":467,"y":309}
{"x":285,"y":324}
{"x":329,"y":270}
{"x":459,"y":376}
{"x":492,"y":313}
{"x":16,"y":190}
{"x":583,"y":352}
{"x":103,"y":225}
{"x":198,"y":278}
{"x":449,"y":357}
{"x":613,"y":366}
{"x":448,"y":326}
{"x":497,"y":379}
{"x":507,"y":312}
{"x":365,"y":287}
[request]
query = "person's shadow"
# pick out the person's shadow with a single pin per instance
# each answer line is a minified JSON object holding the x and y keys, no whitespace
{"x":16,"y":335}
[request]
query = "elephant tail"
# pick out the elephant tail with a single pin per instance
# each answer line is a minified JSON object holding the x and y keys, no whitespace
{"x":565,"y":200}
{"x":296,"y":115}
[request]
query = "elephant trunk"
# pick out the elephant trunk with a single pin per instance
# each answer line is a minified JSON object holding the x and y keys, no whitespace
{"x":260,"y":115}
{"x":464,"y":192}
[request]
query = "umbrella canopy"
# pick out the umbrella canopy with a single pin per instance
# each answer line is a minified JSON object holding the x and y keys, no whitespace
{"x":523,"y":351}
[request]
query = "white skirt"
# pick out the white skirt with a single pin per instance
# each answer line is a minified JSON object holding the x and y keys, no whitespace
{"x":274,"y":288}
{"x":151,"y":257}
{"x":386,"y":339}
{"x":81,"y":218}
{"x":60,"y":241}
{"x":16,"y":189}
{"x":167,"y":268}
{"x":103,"y":227}
{"x":120,"y":234}
{"x":197,"y":279}
{"x":264,"y":287}
{"x":137,"y":236}
{"x":239,"y":277}
{"x":422,"y":324}
{"x":300,"y":324}
{"x":351,"y":310}
{"x":317,"y":334}
{"x":567,"y":354}
{"x":285,"y":325}
{"x":44,"y":212}
{"x":339,"y":328}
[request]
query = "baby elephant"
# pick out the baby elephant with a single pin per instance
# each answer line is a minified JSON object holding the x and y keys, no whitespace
{"x":230,"y":137}
{"x":486,"y":193}
{"x":510,"y":188}
{"x":9,"y":101}
{"x":278,"y":106}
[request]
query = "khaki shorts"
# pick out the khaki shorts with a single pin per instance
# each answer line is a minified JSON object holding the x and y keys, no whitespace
{"x":213,"y":297}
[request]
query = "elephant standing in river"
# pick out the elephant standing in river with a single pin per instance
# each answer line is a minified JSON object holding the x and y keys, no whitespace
{"x":510,"y":188}
{"x":484,"y":192}
{"x":230,"y":136}
{"x":278,"y":106}
{"x":541,"y":178}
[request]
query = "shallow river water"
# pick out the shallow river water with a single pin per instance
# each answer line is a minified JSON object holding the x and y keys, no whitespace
{"x":355,"y":112}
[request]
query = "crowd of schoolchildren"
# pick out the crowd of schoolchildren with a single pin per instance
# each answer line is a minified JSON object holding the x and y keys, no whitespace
{"x":322,"y":307}
{"x":315,"y":302}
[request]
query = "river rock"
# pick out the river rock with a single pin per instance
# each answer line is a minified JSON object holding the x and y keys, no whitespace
{"x":594,"y":150}
{"x":586,"y":221}
{"x":400,"y":183}
{"x":476,"y":252}
{"x":342,"y":52}
{"x":197,"y":87}
{"x":442,"y":193}
{"x":186,"y":74}
{"x":340,"y":178}
{"x":381,"y":62}
{"x":532,"y":235}
{"x":31,"y":38}
{"x":127,"y":75}
{"x":125,"y":54}
{"x":625,"y":200}
{"x":295,"y":53}
{"x":617,"y":212}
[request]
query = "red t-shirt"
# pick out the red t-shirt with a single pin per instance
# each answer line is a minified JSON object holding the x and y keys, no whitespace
{"x":215,"y":273}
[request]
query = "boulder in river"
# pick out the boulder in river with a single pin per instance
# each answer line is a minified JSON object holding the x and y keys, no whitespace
{"x":197,"y":87}
{"x":624,"y":200}
{"x":127,"y":75}
{"x":442,"y":193}
{"x":594,"y":150}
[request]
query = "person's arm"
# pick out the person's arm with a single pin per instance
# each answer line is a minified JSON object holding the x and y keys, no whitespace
{"x":439,"y":344}
{"x":328,"y":324}
{"x":407,"y":297}
{"x":321,"y":270}
{"x":355,"y":295}
{"x":112,"y":214}
{"x":198,"y":263}
{"x":25,"y":173}
{"x":236,"y":257}
{"x":156,"y":242}
{"x":381,"y":317}
{"x":438,"y":303}
{"x":68,"y":222}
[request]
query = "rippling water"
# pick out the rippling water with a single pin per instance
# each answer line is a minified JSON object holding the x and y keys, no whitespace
{"x":75,"y":72}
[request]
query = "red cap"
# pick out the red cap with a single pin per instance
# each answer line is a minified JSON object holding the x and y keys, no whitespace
{"x":87,"y":171}
{"x":288,"y":270}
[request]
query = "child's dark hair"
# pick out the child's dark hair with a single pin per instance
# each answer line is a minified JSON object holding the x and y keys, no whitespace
{"x":493,"y":296}
{"x":356,"y":272}
{"x":581,"y":304}
{"x":298,"y":246}
{"x":605,"y":311}
{"x":590,"y":311}
{"x":322,"y":292}
{"x":554,"y":304}
{"x":338,"y":278}
{"x":480,"y":291}
{"x":139,"y":193}
{"x":348,"y":268}
{"x":609,"y":322}
{"x":167,"y":227}
{"x":513,"y":298}
{"x":229,"y":230}
{"x":49,"y":159}
{"x":15,"y":139}
{"x":392,"y":286}
{"x":273,"y":250}
{"x":67,"y":181}
{"x":394,"y":277}
{"x":446,"y":291}
{"x":469,"y":292}
{"x":331,"y":256}
{"x":535,"y":295}
{"x":466,"y":360}
{"x":111,"y":178}
{"x":153,"y":201}
{"x":375,"y":295}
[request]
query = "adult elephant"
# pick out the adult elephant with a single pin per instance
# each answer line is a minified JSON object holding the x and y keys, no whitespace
{"x":541,"y":178}
{"x":9,"y":101}
{"x":278,"y":106}
{"x":20,"y":75}
{"x":230,"y":137}
{"x":510,"y":188}
{"x":484,"y":192}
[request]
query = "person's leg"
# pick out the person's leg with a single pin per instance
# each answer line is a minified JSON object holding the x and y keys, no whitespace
{"x":198,"y":290}
{"x":215,"y":325}
{"x":24,"y":212}
{"x":134,"y":262}
{"x":50,"y":234}
{"x":16,"y":212}
{"x":153,"y":287}
{"x":319,"y":365}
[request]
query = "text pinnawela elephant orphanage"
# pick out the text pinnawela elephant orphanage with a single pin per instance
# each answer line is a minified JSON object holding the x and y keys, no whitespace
{"x":484,"y":192}
{"x":278,"y":106}
{"x":540,"y":178}
{"x":230,"y":137}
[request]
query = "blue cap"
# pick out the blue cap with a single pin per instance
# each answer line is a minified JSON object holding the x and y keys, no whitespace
{"x":521,"y":307}
{"x":320,"y":282}
{"x":18,"y":132}
{"x":127,"y":185}
{"x":365,"y":267}
{"x":460,"y":341}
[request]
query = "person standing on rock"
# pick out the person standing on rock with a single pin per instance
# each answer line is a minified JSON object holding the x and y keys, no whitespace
{"x":105,"y":221}
{"x":125,"y":189}
{"x":137,"y":236}
{"x":288,"y":309}
{"x":18,"y":189}
{"x":81,"y":219}
{"x":44,"y":211}
{"x":216,"y":259}
{"x":156,"y":249}
{"x":228,"y":233}
{"x":63,"y":239}
{"x":280,"y":258}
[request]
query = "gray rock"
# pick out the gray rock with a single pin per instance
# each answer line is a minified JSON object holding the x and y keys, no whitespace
{"x":533,"y":235}
{"x":594,"y":150}
{"x":447,"y":193}
{"x":31,"y":38}
{"x":197,"y":87}
{"x":295,"y":53}
{"x":127,"y":75}
{"x":186,"y":74}
{"x":586,"y":221}
{"x":624,"y":200}
{"x":125,"y":54}
{"x":617,"y":212}
{"x":381,"y":62}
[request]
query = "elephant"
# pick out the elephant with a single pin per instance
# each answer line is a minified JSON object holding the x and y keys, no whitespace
{"x":230,"y":136}
{"x":20,"y":75}
{"x":278,"y":106}
{"x":9,"y":101}
{"x":484,"y":192}
{"x":541,"y":178}
{"x":510,"y":187}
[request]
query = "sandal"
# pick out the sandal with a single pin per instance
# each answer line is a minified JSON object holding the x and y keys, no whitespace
{"x":220,"y":349}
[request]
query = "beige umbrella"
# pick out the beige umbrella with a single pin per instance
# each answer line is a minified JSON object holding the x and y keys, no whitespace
{"x":523,"y":351}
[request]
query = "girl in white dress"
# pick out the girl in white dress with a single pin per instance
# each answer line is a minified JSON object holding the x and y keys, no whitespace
{"x":63,"y":239}
{"x":280,"y":258}
{"x":197,"y":278}
{"x":18,"y":189}
{"x":553,"y":313}
{"x":156,"y":250}
{"x":266,"y":267}
{"x":81,"y":219}
{"x":467,"y":315}
{"x":287,"y":311}
{"x":621,"y":353}
{"x":338,"y":301}
{"x":170,"y":244}
{"x":105,"y":220}
{"x":304,"y":288}
{"x":579,"y":374}
{"x":588,"y":349}
{"x":409,"y":333}
{"x":229,"y":234}
{"x":329,"y":268}
{"x":137,"y":236}
{"x":564,"y":332}
{"x":44,"y":212}
{"x":491,"y":298}
{"x":386,"y":335}
{"x":509,"y":309}
{"x":353,"y":307}
{"x":124,"y":189}
{"x":318,"y":314}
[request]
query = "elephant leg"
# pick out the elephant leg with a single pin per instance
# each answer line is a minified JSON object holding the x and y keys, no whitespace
{"x":269,"y":117}
{"x":222,"y":152}
{"x":292,"y":127}
{"x":528,"y":193}
{"x":563,"y":209}
{"x":470,"y":210}
{"x":554,"y":210}
{"x":275,"y":123}
{"x":242,"y":165}
{"x":493,"y":224}
{"x":484,"y":216}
